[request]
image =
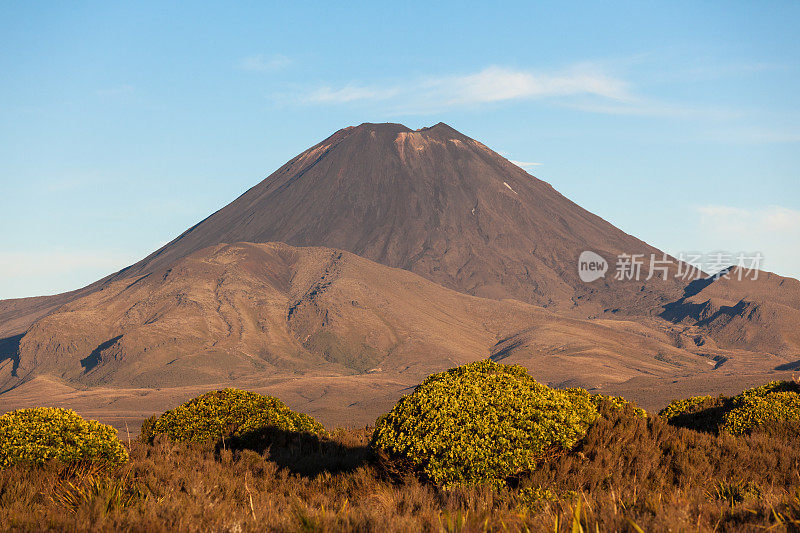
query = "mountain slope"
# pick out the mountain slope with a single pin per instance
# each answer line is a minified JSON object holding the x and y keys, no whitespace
{"x":246,"y":310}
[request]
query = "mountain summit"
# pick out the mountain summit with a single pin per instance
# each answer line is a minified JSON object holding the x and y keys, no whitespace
{"x":437,"y":203}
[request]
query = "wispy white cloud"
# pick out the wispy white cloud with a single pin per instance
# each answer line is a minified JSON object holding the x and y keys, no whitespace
{"x":600,"y":87}
{"x":495,"y":84}
{"x":492,"y":84}
{"x":262,"y":63}
{"x":589,"y":87}
{"x":524,"y":164}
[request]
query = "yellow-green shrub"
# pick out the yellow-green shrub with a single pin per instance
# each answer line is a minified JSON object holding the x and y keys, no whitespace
{"x":35,"y":436}
{"x":775,"y":402}
{"x":685,"y":405}
{"x":480,"y":423}
{"x":227,"y":413}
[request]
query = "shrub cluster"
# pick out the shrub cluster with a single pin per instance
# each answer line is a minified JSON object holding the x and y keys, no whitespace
{"x":775,"y":402}
{"x":481,"y":423}
{"x":686,"y":406}
{"x":35,"y":436}
{"x":227,"y":413}
{"x":626,"y":474}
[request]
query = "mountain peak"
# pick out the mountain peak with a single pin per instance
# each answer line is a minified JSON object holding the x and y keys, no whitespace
{"x":379,"y":127}
{"x":391,"y":128}
{"x":441,"y":127}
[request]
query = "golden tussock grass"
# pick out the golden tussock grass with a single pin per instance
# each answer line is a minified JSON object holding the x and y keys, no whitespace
{"x":627,"y":474}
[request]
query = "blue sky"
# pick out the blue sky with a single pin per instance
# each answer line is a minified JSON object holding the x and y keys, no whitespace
{"x":123,"y":124}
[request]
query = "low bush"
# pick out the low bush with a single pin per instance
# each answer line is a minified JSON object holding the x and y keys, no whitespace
{"x":686,"y":406}
{"x":776,"y":402}
{"x":228,"y":413}
{"x":701,"y":413}
{"x":480,"y":423}
{"x":773,"y":403}
{"x":36,"y":436}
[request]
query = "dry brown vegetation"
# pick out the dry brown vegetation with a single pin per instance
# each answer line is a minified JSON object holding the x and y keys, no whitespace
{"x":628,"y":474}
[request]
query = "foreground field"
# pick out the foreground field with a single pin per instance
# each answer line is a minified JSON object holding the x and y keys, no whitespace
{"x":627,"y":474}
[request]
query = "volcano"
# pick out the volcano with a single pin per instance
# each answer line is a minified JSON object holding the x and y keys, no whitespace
{"x":432,"y":201}
{"x":437,"y":203}
{"x":374,"y":258}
